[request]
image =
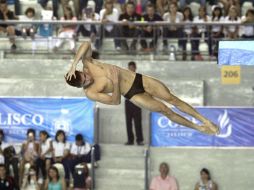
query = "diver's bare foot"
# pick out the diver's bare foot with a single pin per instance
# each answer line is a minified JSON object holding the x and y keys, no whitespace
{"x":205,"y":129}
{"x":212,"y":127}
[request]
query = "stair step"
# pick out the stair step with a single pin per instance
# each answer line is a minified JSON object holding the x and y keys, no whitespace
{"x":119,"y":173}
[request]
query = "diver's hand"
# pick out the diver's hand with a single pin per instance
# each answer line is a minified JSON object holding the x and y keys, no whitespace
{"x":71,"y":73}
{"x":114,"y":75}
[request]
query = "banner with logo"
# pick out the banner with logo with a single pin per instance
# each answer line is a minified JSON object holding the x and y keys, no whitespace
{"x":236,"y":125}
{"x":73,"y":115}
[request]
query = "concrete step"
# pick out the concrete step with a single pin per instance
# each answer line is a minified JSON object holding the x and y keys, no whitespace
{"x":119,"y":162}
{"x":119,"y":173}
{"x":116,"y":150}
{"x":119,"y":183}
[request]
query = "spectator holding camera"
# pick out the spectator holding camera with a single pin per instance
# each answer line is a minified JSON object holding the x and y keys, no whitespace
{"x":30,"y":180}
{"x":82,"y":180}
{"x":29,"y":151}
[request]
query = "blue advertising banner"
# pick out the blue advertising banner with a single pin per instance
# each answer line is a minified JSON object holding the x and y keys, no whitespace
{"x":236,"y":125}
{"x":73,"y":115}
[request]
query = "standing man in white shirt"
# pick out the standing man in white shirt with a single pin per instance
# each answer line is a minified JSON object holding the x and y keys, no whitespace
{"x":110,"y":15}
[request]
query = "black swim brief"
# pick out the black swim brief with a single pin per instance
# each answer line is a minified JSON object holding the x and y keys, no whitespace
{"x":136,"y":88}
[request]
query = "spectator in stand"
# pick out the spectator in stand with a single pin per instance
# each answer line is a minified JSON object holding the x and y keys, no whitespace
{"x":61,"y":151}
{"x":6,"y":182}
{"x":43,"y":161}
{"x":29,"y":151}
{"x":232,"y":32}
{"x":164,"y":181}
{"x":28,"y":29}
{"x":80,"y":152}
{"x":67,"y":32}
{"x":216,"y":30}
{"x":82,"y":180}
{"x":44,"y":4}
{"x":54,"y":182}
{"x":227,"y":4}
{"x":150,"y":31}
{"x":6,"y":14}
{"x":129,"y":30}
{"x":187,"y":18}
{"x":162,"y":6}
{"x":30,"y":181}
{"x":248,"y":30}
{"x":206,"y":181}
{"x":92,"y":31}
{"x":46,"y":30}
{"x":172,"y":16}
{"x":197,"y":32}
{"x":9,"y":158}
{"x":108,"y":15}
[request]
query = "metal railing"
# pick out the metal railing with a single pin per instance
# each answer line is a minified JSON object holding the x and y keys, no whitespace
{"x":139,"y":24}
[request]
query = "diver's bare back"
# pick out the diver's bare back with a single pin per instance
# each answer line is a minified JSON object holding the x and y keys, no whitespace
{"x":101,"y":72}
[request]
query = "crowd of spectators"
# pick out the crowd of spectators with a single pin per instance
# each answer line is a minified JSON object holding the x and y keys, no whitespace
{"x":166,"y":181}
{"x":45,"y":164}
{"x":110,"y":11}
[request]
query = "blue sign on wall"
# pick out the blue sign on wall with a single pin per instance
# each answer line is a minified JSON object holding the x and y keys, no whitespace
{"x":236,"y":124}
{"x":73,"y":115}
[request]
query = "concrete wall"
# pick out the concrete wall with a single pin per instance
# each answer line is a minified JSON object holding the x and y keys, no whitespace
{"x":231,"y":169}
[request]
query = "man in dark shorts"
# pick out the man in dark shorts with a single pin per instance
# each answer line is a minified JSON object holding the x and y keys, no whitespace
{"x":106,"y":83}
{"x":6,"y":14}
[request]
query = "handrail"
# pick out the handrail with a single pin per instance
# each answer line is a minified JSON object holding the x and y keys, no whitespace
{"x":93,"y":168}
{"x":156,"y":23}
{"x":146,"y":155}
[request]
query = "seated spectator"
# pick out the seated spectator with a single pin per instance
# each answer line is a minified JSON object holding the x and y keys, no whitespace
{"x":205,"y":181}
{"x":61,"y":150}
{"x":248,"y":30}
{"x":6,"y":182}
{"x":89,"y":30}
{"x":80,"y":152}
{"x":164,"y":181}
{"x":197,"y":32}
{"x":150,"y":31}
{"x":44,"y":4}
{"x":82,"y":180}
{"x":67,"y":32}
{"x":8,"y":158}
{"x":30,"y":180}
{"x":128,"y":29}
{"x":54,"y":182}
{"x":227,"y":4}
{"x":6,"y":14}
{"x":187,"y":18}
{"x":172,"y":16}
{"x":108,"y":15}
{"x":46,"y":30}
{"x":216,"y":31}
{"x":232,"y":32}
{"x":28,"y":29}
{"x":29,"y":151}
{"x":43,"y":161}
